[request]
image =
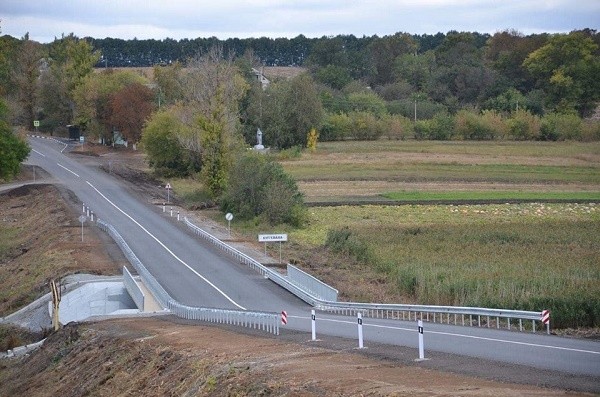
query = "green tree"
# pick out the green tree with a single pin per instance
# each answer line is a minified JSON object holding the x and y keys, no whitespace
{"x":159,"y":140}
{"x":70,"y":61}
{"x":567,"y":68}
{"x":93,"y":100}
{"x":259,"y":187}
{"x":13,"y":150}
{"x":384,"y":52}
{"x":26,"y":75}
{"x":286,"y":111}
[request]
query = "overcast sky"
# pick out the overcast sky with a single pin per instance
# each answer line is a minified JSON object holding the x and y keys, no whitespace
{"x":177,"y":19}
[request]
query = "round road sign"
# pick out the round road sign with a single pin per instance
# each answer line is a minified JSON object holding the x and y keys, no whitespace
{"x":229,"y":216}
{"x":82,"y":218}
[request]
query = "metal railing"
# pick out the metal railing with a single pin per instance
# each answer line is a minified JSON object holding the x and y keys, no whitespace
{"x":262,"y":321}
{"x":469,"y":316}
{"x":257,"y":320}
{"x":134,"y":289}
{"x":311,"y":284}
{"x":157,"y":290}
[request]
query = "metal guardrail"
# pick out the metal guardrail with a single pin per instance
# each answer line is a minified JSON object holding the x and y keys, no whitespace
{"x":470,"y":316}
{"x":263,"y":321}
{"x":257,"y":320}
{"x":311,"y":284}
{"x":134,"y":289}
{"x":157,"y":290}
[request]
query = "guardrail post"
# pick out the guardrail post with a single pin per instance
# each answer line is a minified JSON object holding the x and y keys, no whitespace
{"x":171,"y":211}
{"x":177,"y":216}
{"x":313,"y":320}
{"x":164,"y":208}
{"x":360,"y":331}
{"x":421,"y":346}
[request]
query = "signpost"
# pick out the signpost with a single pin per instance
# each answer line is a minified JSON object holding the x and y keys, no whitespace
{"x":229,"y":217}
{"x":168,"y":187}
{"x":268,"y":238}
{"x":36,"y":124}
{"x":82,"y":219}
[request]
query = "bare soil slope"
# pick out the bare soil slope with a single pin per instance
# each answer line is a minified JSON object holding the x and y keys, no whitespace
{"x":158,"y":357}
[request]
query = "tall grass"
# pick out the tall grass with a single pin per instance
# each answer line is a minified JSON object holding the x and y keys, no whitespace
{"x":528,"y":257}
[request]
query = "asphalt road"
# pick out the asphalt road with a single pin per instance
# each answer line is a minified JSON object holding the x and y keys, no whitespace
{"x":196,"y":274}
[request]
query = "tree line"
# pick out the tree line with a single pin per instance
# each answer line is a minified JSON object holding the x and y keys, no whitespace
{"x":194,"y":116}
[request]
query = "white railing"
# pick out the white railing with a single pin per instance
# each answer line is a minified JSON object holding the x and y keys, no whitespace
{"x":134,"y":289}
{"x":470,"y":316}
{"x":262,"y":321}
{"x":311,"y":284}
{"x":257,"y":320}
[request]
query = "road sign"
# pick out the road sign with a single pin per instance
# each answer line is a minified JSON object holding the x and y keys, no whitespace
{"x":545,"y":316}
{"x":229,"y":216}
{"x":81,"y":139}
{"x":168,"y":187}
{"x":267,"y":238}
{"x":36,"y":123}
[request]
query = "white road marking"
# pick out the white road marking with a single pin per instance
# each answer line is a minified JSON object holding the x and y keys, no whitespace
{"x":453,"y":334}
{"x":41,"y":154}
{"x":62,"y":166}
{"x":166,"y":248}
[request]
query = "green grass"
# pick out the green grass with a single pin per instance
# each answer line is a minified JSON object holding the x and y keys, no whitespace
{"x":190,"y":191}
{"x":490,"y":195}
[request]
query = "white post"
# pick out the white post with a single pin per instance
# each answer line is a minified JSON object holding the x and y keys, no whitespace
{"x":168,"y":195}
{"x":171,"y":211}
{"x":92,"y":216}
{"x":87,"y":211}
{"x":83,"y":208}
{"x":360,"y":331}
{"x":178,"y":216}
{"x":313,"y":325}
{"x":164,"y":208}
{"x":421,"y":347}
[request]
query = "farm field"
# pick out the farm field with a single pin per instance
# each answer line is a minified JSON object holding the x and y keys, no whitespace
{"x":351,"y":171}
{"x":523,"y":255}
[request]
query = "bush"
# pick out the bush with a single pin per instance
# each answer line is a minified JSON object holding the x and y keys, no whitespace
{"x":13,"y":151}
{"x":524,"y":126}
{"x":258,"y":187}
{"x":472,"y":126}
{"x":365,"y":126}
{"x":560,"y":127}
{"x":396,"y":127}
{"x":345,"y":242}
{"x":336,"y":127}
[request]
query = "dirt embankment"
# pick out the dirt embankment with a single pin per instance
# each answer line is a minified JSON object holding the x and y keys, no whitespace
{"x":152,"y":357}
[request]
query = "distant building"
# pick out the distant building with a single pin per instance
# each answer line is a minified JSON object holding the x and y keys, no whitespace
{"x":261,"y":78}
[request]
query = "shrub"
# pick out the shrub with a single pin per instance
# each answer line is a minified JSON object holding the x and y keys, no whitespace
{"x":524,"y":126}
{"x":396,"y":127}
{"x":336,"y":127}
{"x":470,"y":125}
{"x":258,"y":187}
{"x":345,"y":242}
{"x":365,"y":126}
{"x":560,"y":127}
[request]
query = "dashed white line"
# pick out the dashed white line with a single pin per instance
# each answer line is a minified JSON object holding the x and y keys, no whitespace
{"x":62,"y":166}
{"x":166,"y":248}
{"x":41,"y":154}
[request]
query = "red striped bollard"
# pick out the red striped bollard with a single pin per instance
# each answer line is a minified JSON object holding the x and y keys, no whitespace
{"x":546,"y":320}
{"x":283,"y":317}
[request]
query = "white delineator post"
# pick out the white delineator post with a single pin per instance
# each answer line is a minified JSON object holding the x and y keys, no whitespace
{"x":313,"y":320}
{"x":421,"y":347}
{"x":360,"y":331}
